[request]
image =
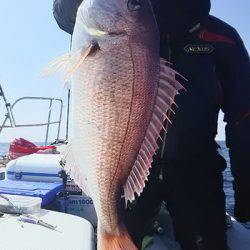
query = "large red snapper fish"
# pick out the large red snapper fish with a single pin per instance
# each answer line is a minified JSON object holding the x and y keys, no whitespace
{"x":122,"y":92}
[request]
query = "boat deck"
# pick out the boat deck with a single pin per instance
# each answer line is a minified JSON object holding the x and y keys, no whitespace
{"x":238,"y":236}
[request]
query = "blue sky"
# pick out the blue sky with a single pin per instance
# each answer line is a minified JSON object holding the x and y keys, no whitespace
{"x":30,"y":38}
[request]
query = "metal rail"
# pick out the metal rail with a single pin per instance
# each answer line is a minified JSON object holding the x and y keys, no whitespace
{"x":10,"y":115}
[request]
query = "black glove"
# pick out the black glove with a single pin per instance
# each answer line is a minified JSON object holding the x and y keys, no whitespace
{"x":65,"y":13}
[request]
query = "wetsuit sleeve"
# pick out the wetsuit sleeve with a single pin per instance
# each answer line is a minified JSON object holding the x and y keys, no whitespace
{"x":65,"y":13}
{"x":234,"y":75}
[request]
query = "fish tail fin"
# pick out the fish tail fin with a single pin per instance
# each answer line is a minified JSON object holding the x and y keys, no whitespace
{"x":115,"y":242}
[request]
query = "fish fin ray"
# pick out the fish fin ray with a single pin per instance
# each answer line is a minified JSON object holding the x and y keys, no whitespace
{"x":66,"y":65}
{"x":168,"y":88}
{"x":58,"y":66}
{"x":165,"y":68}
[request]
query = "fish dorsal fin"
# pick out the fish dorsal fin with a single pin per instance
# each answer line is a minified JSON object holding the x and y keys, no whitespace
{"x":168,"y":88}
{"x":71,"y":167}
{"x":66,"y":65}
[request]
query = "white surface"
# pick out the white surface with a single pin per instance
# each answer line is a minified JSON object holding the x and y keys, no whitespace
{"x":36,"y":163}
{"x":25,"y":204}
{"x":73,"y":233}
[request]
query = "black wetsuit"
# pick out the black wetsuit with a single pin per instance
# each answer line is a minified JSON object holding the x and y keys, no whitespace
{"x":211,"y":55}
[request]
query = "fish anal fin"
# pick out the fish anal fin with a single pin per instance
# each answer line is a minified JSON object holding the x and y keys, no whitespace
{"x":71,"y":167}
{"x":168,"y":88}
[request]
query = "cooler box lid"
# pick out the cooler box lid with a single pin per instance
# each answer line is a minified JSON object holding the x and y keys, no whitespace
{"x":35,"y":167}
{"x":44,"y":190}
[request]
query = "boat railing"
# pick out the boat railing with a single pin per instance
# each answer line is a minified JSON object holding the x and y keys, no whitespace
{"x":10,"y":118}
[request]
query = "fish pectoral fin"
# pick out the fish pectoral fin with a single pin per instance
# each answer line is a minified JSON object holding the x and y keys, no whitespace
{"x":168,"y":88}
{"x":58,"y":66}
{"x":92,"y":48}
{"x":66,"y":65}
{"x":71,"y":167}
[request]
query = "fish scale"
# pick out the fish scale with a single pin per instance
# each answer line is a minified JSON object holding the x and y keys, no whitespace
{"x":111,"y":115}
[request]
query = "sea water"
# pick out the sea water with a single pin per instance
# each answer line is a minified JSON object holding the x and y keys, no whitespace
{"x":4,"y":148}
{"x":228,"y":179}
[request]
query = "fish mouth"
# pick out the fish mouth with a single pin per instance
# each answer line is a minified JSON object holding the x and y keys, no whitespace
{"x":117,"y":33}
{"x":99,"y":32}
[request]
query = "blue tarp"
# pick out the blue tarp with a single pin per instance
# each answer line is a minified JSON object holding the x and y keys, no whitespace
{"x":44,"y":190}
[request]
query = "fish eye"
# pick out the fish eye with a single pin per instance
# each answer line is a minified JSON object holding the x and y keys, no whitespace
{"x":133,"y":5}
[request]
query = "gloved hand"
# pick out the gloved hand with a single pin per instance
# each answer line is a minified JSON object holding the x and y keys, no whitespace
{"x":65,"y":13}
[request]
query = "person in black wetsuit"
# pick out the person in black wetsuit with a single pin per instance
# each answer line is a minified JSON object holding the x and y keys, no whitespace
{"x":212,"y":56}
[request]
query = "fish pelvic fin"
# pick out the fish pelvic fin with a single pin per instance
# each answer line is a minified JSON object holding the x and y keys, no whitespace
{"x":115,"y":242}
{"x":168,"y":88}
{"x":66,"y":65}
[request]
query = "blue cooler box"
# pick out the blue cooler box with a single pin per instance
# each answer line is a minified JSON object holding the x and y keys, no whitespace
{"x":46,"y":191}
